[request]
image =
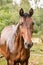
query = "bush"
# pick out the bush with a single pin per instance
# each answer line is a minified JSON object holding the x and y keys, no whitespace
{"x":9,"y":14}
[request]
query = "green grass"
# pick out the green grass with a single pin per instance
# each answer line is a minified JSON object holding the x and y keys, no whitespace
{"x":35,"y":60}
{"x":37,"y":49}
{"x":36,"y":56}
{"x":3,"y":61}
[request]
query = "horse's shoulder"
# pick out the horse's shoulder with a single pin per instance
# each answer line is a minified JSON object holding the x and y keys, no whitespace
{"x":7,"y":29}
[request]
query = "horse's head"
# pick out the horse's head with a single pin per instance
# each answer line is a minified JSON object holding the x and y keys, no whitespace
{"x":26,"y":27}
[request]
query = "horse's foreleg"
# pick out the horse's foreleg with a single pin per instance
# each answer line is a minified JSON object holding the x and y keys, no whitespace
{"x":17,"y":63}
{"x":10,"y":62}
{"x":25,"y":62}
{"x":7,"y":62}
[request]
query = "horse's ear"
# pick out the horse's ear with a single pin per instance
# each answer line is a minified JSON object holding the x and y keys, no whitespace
{"x":21,"y":12}
{"x":31,"y":12}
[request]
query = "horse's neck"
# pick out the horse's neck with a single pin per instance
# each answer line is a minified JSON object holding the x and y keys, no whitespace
{"x":20,"y":41}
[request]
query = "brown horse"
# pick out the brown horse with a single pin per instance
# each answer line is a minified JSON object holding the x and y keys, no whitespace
{"x":15,"y":40}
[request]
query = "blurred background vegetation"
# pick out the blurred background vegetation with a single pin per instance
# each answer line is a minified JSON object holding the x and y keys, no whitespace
{"x":9,"y":14}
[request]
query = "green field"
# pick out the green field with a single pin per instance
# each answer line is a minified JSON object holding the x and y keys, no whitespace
{"x":36,"y":56}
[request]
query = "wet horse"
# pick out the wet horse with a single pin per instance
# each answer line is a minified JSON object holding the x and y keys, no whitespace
{"x":15,"y":40}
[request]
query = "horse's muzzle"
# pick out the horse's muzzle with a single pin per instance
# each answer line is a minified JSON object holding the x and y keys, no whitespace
{"x":28,"y":46}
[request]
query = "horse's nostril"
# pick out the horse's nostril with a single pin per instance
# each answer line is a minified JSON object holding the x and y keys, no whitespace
{"x":27,"y":45}
{"x":33,"y":23}
{"x":30,"y":45}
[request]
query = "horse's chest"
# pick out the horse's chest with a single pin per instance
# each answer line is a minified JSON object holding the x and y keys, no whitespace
{"x":23,"y":54}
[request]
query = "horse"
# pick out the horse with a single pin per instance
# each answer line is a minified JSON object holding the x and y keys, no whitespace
{"x":15,"y":40}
